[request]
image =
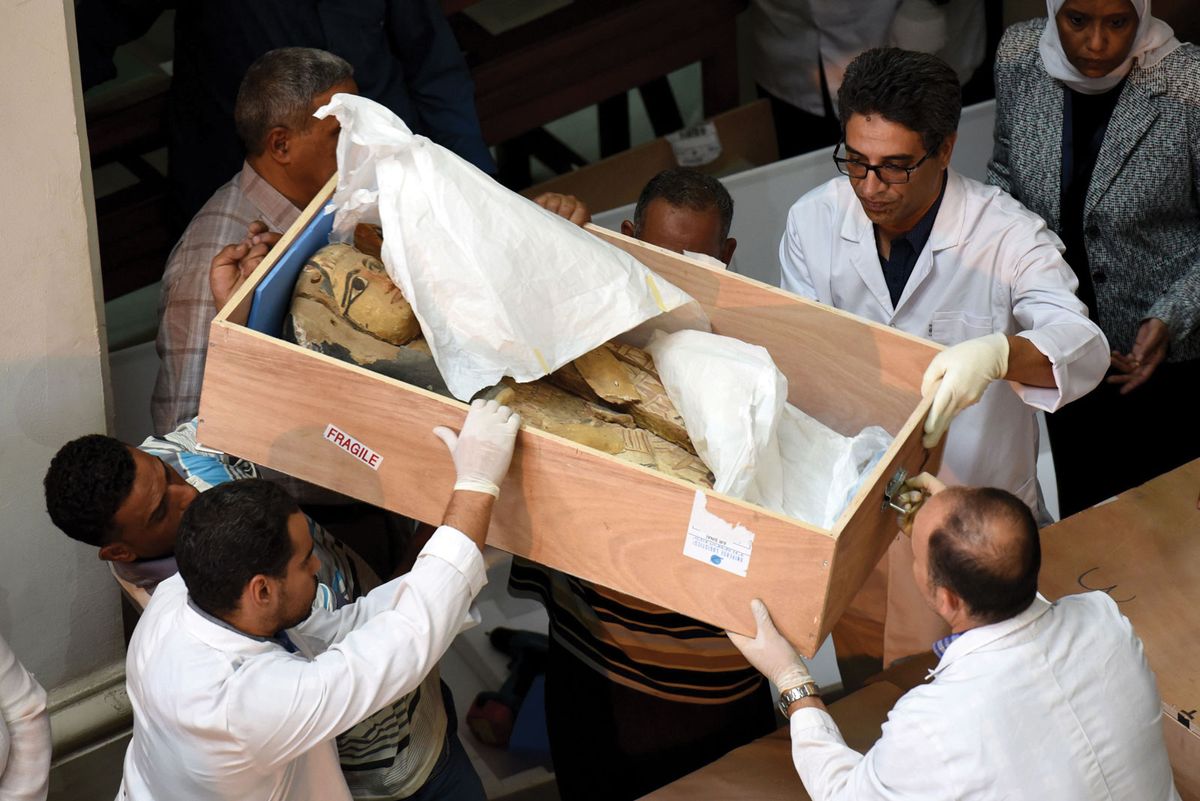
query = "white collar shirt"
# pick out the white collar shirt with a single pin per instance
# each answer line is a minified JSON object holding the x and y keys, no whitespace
{"x":990,"y":265}
{"x":24,"y":732}
{"x":222,"y":715}
{"x":1057,"y":702}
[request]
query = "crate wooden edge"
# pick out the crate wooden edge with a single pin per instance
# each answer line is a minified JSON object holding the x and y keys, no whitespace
{"x":633,"y":246}
{"x":237,"y":308}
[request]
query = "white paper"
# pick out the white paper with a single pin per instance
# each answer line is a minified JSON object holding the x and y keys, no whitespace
{"x":696,"y":146}
{"x":704,"y":258}
{"x":715,"y":541}
{"x":733,"y":400}
{"x":499,"y":285}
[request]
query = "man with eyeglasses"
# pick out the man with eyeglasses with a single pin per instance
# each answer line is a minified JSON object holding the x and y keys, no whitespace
{"x":905,"y":241}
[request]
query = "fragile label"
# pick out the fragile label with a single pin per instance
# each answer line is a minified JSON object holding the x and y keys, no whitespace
{"x":696,"y":146}
{"x":353,"y":447}
{"x":713,"y":541}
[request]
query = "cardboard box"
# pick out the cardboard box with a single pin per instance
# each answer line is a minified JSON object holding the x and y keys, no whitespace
{"x":1142,"y":550}
{"x":747,"y":136}
{"x":564,"y":504}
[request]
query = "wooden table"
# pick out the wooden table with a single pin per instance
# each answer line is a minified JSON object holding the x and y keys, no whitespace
{"x":592,"y":50}
{"x":1143,"y":549}
{"x":763,"y":771}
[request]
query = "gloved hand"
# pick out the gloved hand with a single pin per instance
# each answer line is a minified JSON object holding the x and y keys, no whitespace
{"x":913,"y":494}
{"x":957,"y":378}
{"x":484,"y":448}
{"x":770,"y":653}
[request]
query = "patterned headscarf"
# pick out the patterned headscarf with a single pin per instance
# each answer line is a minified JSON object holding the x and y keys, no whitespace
{"x":1154,"y":40}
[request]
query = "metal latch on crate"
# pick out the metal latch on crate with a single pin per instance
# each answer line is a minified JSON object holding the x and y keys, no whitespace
{"x":891,"y":494}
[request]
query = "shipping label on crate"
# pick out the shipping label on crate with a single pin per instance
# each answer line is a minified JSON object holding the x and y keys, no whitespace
{"x":353,"y":447}
{"x":715,"y":542}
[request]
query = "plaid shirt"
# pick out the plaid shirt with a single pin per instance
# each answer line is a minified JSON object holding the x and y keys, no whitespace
{"x":186,"y":308}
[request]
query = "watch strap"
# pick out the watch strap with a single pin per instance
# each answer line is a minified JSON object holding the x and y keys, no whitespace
{"x":788,"y":697}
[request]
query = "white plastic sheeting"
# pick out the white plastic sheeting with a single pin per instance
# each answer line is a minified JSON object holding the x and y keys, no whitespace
{"x":733,"y":400}
{"x":500,"y":286}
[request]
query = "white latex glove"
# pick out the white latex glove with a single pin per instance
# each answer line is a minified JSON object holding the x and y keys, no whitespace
{"x":913,"y":495}
{"x":483,"y":449}
{"x":770,"y":653}
{"x":957,"y":378}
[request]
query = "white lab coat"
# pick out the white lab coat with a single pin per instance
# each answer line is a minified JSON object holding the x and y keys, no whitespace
{"x":221,"y":715}
{"x":794,"y":39}
{"x":1055,"y":703}
{"x":990,"y":265}
{"x":24,"y":732}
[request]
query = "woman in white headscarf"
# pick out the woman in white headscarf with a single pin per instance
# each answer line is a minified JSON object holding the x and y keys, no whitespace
{"x":1098,"y":131}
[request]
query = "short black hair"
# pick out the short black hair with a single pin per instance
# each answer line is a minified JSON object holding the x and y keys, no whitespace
{"x":916,"y":90}
{"x":88,"y":480}
{"x":996,"y":580}
{"x":278,"y":90}
{"x":230,"y":534}
{"x":685,"y":188}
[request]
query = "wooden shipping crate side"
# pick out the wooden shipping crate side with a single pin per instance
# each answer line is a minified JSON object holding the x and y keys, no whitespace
{"x":868,"y":526}
{"x":626,"y":527}
{"x":844,"y":370}
{"x":563,"y":504}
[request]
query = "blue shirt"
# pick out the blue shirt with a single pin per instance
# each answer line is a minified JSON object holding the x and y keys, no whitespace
{"x":898,"y":266}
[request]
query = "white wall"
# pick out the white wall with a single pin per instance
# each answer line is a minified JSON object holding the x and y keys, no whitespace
{"x":59,"y":608}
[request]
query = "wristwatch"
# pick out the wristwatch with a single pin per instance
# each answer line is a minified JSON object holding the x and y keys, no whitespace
{"x":789,"y":697}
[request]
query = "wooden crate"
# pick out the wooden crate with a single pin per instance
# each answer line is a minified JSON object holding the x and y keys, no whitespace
{"x":577,"y":509}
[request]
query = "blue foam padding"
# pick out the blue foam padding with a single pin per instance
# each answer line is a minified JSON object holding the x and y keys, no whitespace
{"x":529,"y":730}
{"x":273,"y":295}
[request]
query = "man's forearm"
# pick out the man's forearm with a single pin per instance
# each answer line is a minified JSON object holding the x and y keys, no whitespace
{"x":470,"y":512}
{"x":1028,"y":365}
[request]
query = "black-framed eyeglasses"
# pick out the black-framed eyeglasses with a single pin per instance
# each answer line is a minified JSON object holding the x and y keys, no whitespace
{"x":886,"y":173}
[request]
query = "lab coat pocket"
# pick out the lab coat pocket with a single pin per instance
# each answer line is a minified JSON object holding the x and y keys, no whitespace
{"x":952,"y":327}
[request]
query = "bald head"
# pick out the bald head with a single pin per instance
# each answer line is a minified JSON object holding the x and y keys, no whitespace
{"x":981,"y":544}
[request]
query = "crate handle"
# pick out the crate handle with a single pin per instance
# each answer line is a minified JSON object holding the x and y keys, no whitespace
{"x":891,"y":493}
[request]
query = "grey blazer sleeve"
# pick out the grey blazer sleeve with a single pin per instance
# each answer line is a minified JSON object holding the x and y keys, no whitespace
{"x":997,"y":169}
{"x":1179,"y":306}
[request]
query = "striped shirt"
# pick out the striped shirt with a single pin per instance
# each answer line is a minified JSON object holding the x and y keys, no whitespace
{"x":343,"y":575}
{"x":635,"y":643}
{"x":939,"y":647}
{"x":390,"y":754}
{"x":186,"y":307}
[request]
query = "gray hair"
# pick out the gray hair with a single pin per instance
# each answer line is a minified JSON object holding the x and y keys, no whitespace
{"x":278,"y":91}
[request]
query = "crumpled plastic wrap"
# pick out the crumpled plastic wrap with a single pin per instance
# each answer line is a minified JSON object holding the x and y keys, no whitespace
{"x":733,"y":400}
{"x":499,"y":285}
